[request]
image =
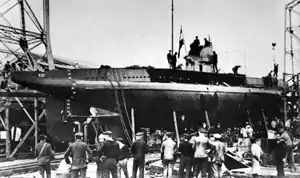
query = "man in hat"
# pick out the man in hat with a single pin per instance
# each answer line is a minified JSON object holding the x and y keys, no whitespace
{"x":168,"y":150}
{"x":44,"y":154}
{"x":279,"y":153}
{"x":186,"y":156}
{"x":123,"y":158}
{"x":78,"y":151}
{"x":99,"y":161}
{"x":110,"y":150}
{"x":218,"y":156}
{"x":138,"y":149}
{"x":286,"y":137}
{"x":200,"y":144}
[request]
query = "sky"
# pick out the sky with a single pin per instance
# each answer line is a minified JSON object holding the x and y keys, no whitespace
{"x":121,"y":33}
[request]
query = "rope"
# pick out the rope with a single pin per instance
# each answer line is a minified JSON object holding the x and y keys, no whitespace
{"x":123,"y":98}
{"x":120,"y":111}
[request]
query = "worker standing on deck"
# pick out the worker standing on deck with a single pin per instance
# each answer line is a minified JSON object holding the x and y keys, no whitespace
{"x":110,"y":151}
{"x":78,"y":151}
{"x":168,"y":150}
{"x":186,"y":156}
{"x":169,"y":57}
{"x":123,"y":158}
{"x":44,"y":154}
{"x":138,"y":149}
{"x":256,"y":154}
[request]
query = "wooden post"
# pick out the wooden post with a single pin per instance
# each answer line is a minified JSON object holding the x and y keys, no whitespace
{"x":36,"y":131}
{"x":249,"y":118}
{"x":85,"y":130}
{"x":266,"y":126}
{"x":176,"y":128}
{"x":207,"y":119}
{"x":7,"y":152}
{"x":133,"y":124}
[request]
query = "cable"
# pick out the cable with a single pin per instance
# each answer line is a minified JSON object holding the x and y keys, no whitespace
{"x":119,"y":110}
{"x":123,"y":98}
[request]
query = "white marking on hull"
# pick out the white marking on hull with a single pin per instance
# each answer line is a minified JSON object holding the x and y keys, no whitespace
{"x":91,"y":85}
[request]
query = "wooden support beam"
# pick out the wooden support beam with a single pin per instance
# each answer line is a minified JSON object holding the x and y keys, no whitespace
{"x":176,"y":128}
{"x":22,"y":141}
{"x":249,"y":118}
{"x":7,"y":152}
{"x":23,"y":108}
{"x":36,"y":131}
{"x":133,"y":124}
{"x":85,"y":130}
{"x":207,"y":119}
{"x":2,"y":122}
{"x":26,"y":135}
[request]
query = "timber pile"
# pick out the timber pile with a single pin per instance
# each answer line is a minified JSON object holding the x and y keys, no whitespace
{"x":25,"y":166}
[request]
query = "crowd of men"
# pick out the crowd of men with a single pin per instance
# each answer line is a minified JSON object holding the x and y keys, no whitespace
{"x":200,"y":153}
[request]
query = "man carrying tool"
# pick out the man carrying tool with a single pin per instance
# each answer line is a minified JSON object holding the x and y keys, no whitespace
{"x":44,"y":154}
{"x":78,"y":151}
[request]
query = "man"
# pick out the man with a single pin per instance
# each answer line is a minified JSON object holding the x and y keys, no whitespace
{"x":235,"y":69}
{"x":186,"y":156}
{"x":110,"y":151}
{"x":44,"y":155}
{"x":279,"y":154}
{"x":256,"y":155}
{"x":138,"y":149}
{"x":174,"y":60}
{"x":99,"y":161}
{"x":123,"y":158}
{"x":168,"y":150}
{"x":215,"y":61}
{"x":200,"y":144}
{"x":285,"y":136}
{"x":218,"y":156}
{"x":78,"y":151}
{"x":249,"y":130}
{"x":169,"y":57}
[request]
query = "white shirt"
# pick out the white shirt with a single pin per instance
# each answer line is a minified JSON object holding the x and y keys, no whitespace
{"x":168,"y":148}
{"x":256,"y":151}
{"x":200,"y":144}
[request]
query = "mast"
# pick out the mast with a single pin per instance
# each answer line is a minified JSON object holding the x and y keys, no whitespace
{"x":172,"y":27}
{"x":47,"y":34}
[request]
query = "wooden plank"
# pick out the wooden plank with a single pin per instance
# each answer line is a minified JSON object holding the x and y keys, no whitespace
{"x":207,"y":119}
{"x":21,"y":93}
{"x":36,"y":122}
{"x":7,"y":152}
{"x":176,"y":128}
{"x":133,"y":124}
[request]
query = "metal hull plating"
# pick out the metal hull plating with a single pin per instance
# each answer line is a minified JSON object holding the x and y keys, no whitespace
{"x":153,"y":94}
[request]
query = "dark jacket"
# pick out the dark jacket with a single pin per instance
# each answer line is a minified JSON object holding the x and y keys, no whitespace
{"x":186,"y":149}
{"x":109,"y":149}
{"x":78,"y":150}
{"x":139,"y":149}
{"x":124,"y":152}
{"x":47,"y":153}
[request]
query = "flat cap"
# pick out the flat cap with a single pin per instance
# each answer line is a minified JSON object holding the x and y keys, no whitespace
{"x":139,"y":134}
{"x":185,"y":135}
{"x":119,"y":139}
{"x":217,"y":136}
{"x":202,"y":130}
{"x":80,"y":134}
{"x":107,"y":132}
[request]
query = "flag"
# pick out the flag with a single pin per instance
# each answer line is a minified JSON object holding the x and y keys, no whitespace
{"x":181,"y":41}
